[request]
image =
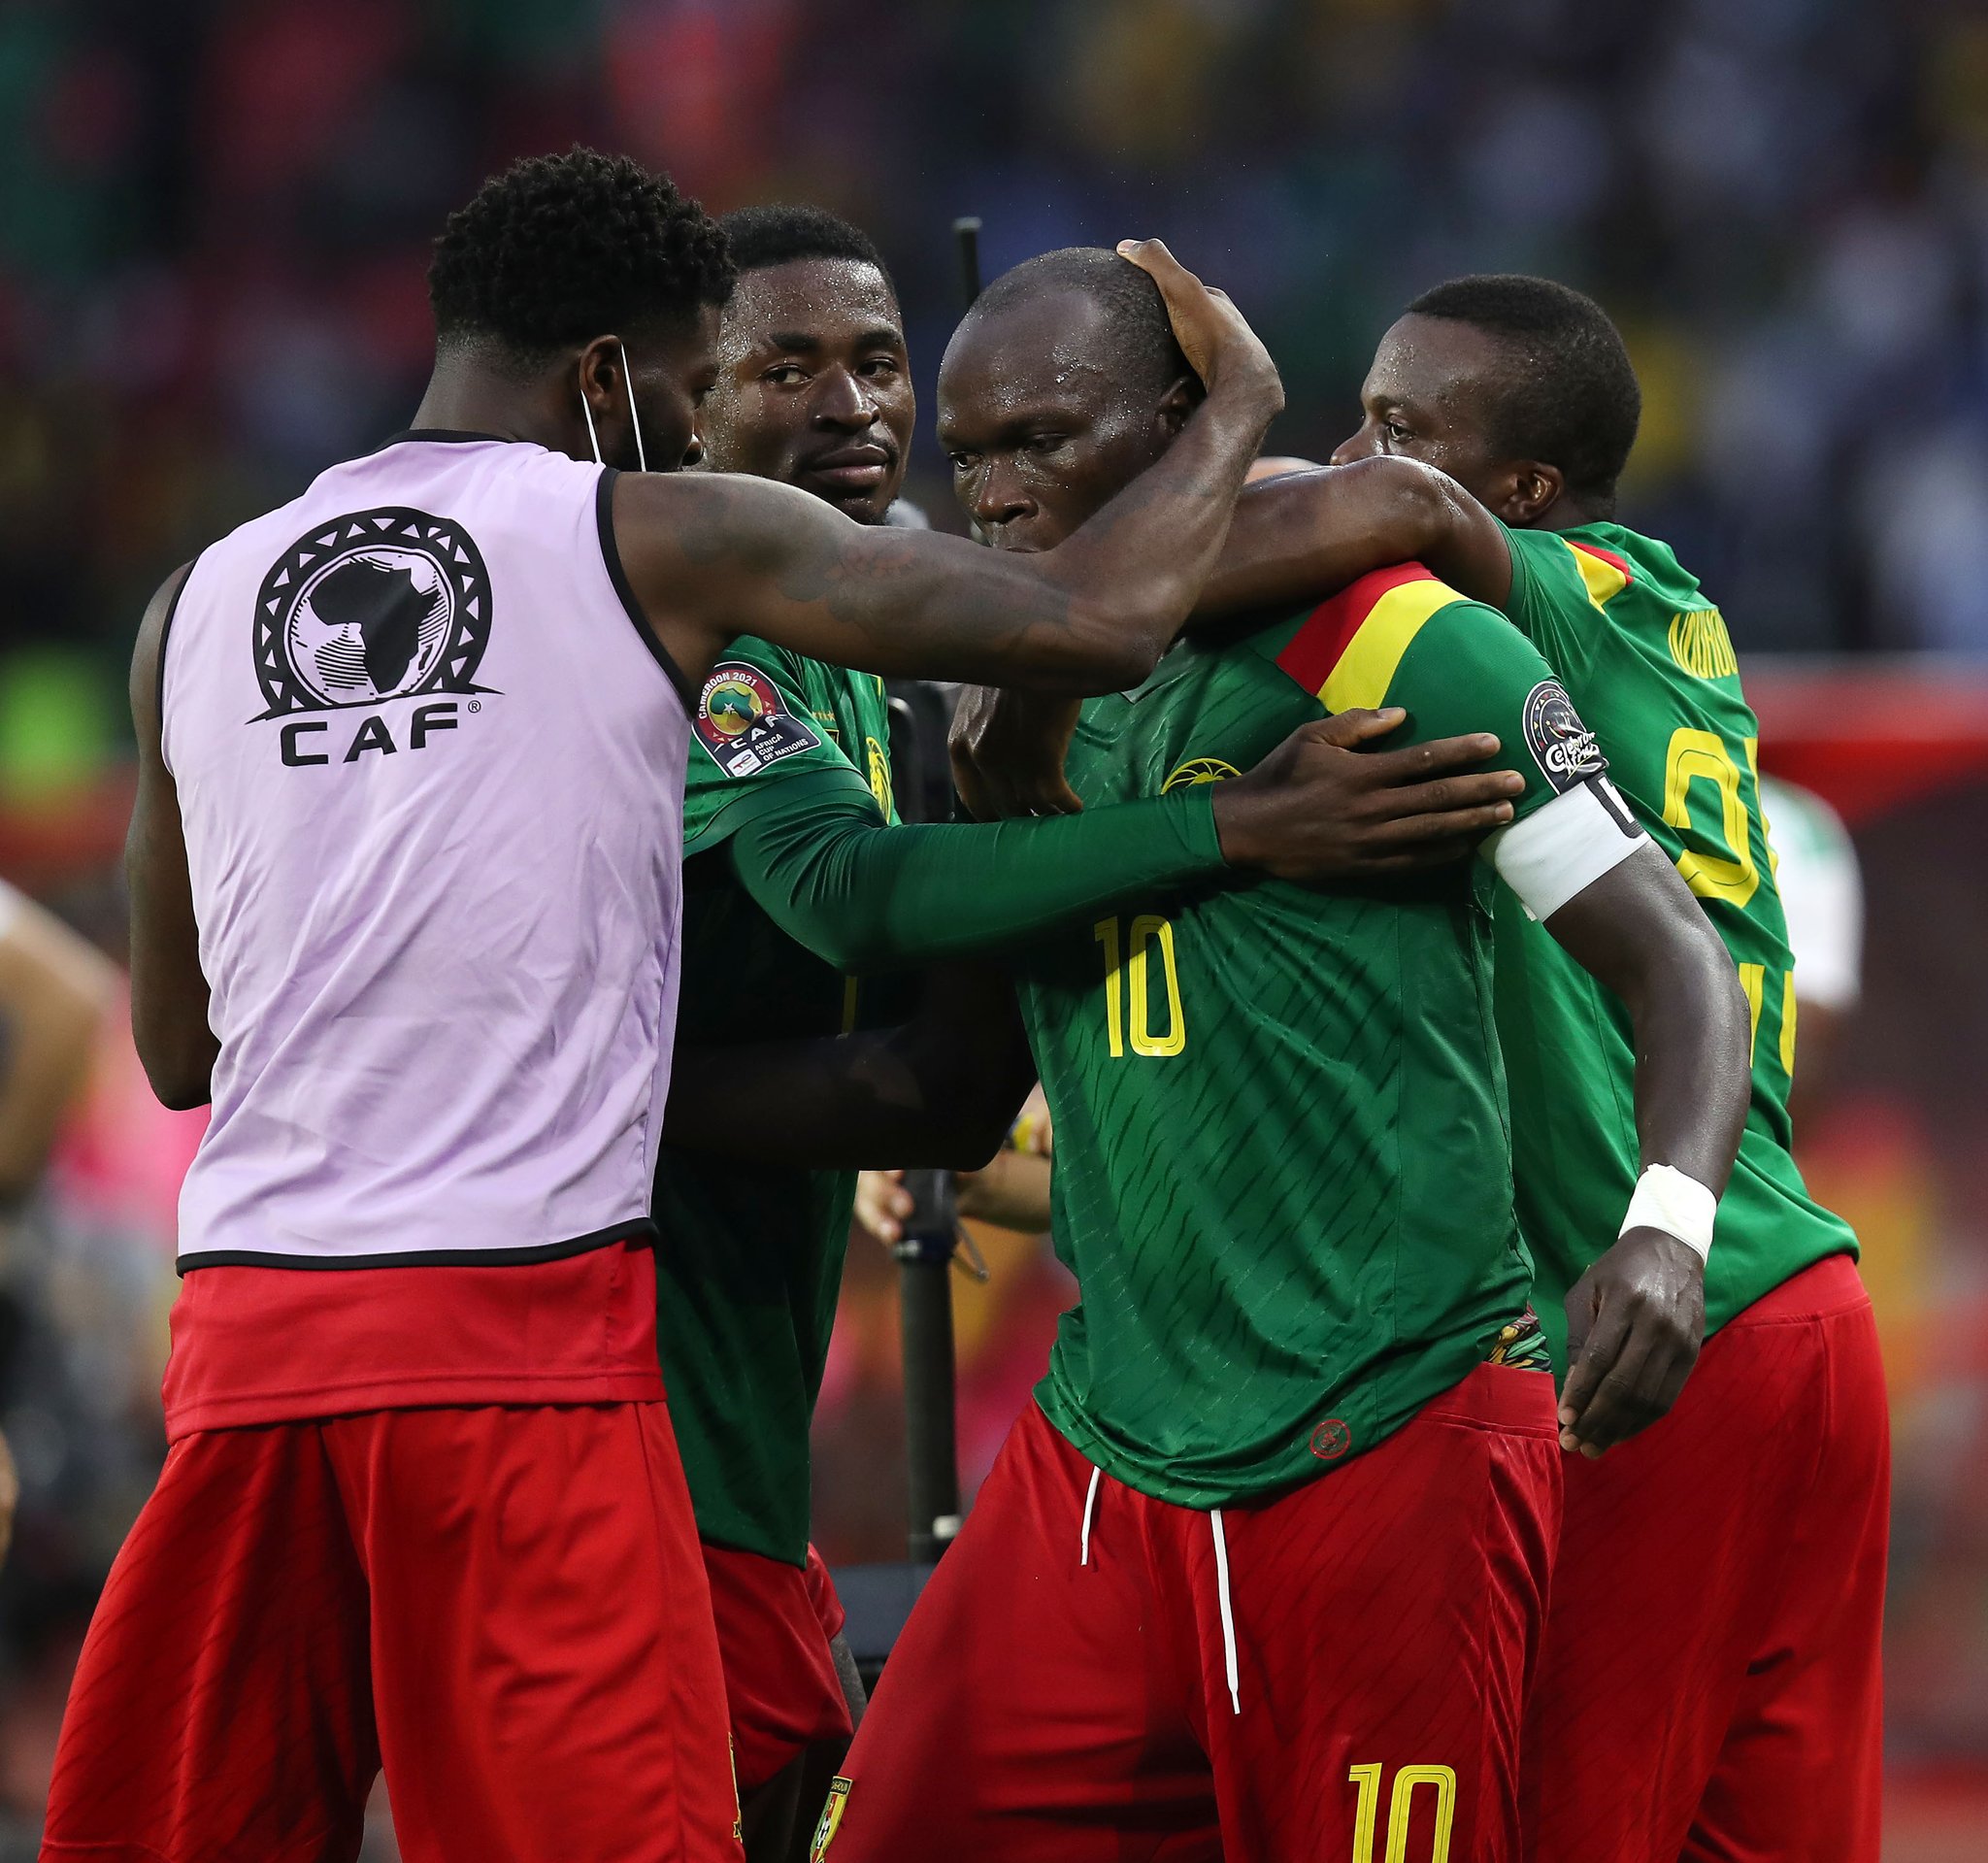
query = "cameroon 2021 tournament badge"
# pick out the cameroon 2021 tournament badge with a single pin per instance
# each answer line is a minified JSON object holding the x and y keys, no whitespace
{"x":741,"y":723}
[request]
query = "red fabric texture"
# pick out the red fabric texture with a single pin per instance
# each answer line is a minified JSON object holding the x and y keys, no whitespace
{"x":1711,"y":1686}
{"x":781,"y":1680}
{"x":280,"y":1345}
{"x":507,"y":1605}
{"x":1042,"y":1710}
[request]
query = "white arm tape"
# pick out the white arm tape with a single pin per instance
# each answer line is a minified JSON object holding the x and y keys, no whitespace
{"x":1666,"y":1199}
{"x":1562,"y":849}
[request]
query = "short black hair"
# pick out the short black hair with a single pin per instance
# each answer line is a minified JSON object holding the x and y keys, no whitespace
{"x":1571,"y":400}
{"x":559,"y":250}
{"x":780,"y":234}
{"x":1134,"y":309}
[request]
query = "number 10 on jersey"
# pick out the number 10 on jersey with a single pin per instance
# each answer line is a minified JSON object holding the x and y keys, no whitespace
{"x":1128,"y":972}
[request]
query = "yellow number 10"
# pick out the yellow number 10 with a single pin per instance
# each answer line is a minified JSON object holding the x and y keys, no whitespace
{"x":1400,"y":1808}
{"x":1128,"y":975}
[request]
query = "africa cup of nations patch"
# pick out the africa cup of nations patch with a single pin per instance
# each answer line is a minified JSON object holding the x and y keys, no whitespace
{"x":741,"y":723}
{"x":1562,"y":746}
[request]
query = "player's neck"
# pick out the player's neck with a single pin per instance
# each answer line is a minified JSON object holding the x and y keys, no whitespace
{"x":1564,"y":513}
{"x":461,"y":398}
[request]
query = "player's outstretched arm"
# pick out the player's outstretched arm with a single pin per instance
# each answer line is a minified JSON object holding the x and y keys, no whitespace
{"x":941,"y":1089}
{"x":864,"y":896}
{"x":1304,"y":535}
{"x":169,"y":995}
{"x":1637,"y":1317}
{"x":709,"y":557}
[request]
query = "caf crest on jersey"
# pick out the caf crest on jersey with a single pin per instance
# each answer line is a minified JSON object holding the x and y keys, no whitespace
{"x":377,"y":605}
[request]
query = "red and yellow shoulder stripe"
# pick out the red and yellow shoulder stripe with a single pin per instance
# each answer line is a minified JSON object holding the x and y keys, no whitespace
{"x":1347,"y":649}
{"x":1604,"y":572}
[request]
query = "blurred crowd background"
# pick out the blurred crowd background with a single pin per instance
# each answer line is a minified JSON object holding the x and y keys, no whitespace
{"x":213,"y":226}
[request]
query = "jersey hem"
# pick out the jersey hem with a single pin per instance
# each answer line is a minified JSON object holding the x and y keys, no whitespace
{"x":611,"y":554}
{"x":633,"y":1229}
{"x":414,"y":1391}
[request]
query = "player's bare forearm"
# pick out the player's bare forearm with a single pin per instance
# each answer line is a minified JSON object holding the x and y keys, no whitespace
{"x":941,"y":1089}
{"x":1639,"y":931}
{"x":1637,"y":1317}
{"x":1301,"y":537}
{"x":169,"y":992}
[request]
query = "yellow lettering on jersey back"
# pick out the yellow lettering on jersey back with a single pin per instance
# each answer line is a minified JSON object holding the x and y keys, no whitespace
{"x":1701,"y":645}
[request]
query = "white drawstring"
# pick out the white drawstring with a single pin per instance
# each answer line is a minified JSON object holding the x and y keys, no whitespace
{"x":634,"y":418}
{"x":1090,"y":1501}
{"x":1228,"y":1615}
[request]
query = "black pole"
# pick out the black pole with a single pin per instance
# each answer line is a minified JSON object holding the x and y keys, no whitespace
{"x":922,"y":779}
{"x":925,"y":1290}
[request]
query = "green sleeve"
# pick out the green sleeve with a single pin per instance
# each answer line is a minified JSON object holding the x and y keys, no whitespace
{"x":1465,"y":670}
{"x":754,"y":737}
{"x":1549,"y":602}
{"x":864,"y":896}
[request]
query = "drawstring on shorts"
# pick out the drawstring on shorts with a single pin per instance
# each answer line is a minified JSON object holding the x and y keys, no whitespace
{"x":1229,"y":1663}
{"x":1090,"y":1502}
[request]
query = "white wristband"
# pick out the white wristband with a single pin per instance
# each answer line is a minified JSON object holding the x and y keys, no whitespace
{"x":1666,"y":1199}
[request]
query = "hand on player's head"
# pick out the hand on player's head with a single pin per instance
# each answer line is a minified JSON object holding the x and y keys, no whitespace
{"x":1217,"y":342}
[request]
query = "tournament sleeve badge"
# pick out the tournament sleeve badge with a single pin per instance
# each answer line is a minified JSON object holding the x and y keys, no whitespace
{"x":1562,"y":746}
{"x":743,"y":722}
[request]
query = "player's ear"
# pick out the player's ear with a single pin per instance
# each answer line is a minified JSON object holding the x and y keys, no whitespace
{"x":1178,"y":402}
{"x":1535,"y":488}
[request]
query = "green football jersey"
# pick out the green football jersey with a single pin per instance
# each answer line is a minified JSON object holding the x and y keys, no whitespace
{"x":750,"y":1256}
{"x":1284,"y":1180}
{"x":1648,"y":663}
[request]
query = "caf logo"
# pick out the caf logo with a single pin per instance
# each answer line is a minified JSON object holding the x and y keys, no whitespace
{"x":378,"y":605}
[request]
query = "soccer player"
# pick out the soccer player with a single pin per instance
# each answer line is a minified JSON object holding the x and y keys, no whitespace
{"x":403,"y":867}
{"x":1711,"y":1683}
{"x":795,"y":878}
{"x":1261,"y":1574}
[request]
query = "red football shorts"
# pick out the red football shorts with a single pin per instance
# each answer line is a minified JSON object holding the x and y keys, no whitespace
{"x":776,"y":1622}
{"x":507,"y":1605}
{"x":1709,"y":1687}
{"x":1061,"y":1693}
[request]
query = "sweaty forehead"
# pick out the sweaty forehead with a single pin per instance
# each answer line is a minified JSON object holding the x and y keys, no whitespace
{"x":834,"y":302}
{"x":1030,"y":354}
{"x":1427,"y":360}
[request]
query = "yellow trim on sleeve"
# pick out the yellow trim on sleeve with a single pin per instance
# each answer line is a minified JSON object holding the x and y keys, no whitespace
{"x":1367,"y":668}
{"x":1603,"y":579}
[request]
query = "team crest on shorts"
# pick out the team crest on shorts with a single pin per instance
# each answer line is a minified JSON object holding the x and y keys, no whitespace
{"x":1199,"y":770}
{"x":1562,"y":746}
{"x":831,"y":1818}
{"x":376,"y":605}
{"x":741,"y":723}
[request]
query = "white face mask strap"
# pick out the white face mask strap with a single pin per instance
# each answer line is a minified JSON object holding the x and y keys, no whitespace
{"x":634,"y":418}
{"x":586,"y":409}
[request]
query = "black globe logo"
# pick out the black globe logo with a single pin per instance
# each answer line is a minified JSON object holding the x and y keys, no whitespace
{"x":378,"y":605}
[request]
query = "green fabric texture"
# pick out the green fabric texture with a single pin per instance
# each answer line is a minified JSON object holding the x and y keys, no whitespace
{"x":1646,"y":657}
{"x":1282,"y":1173}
